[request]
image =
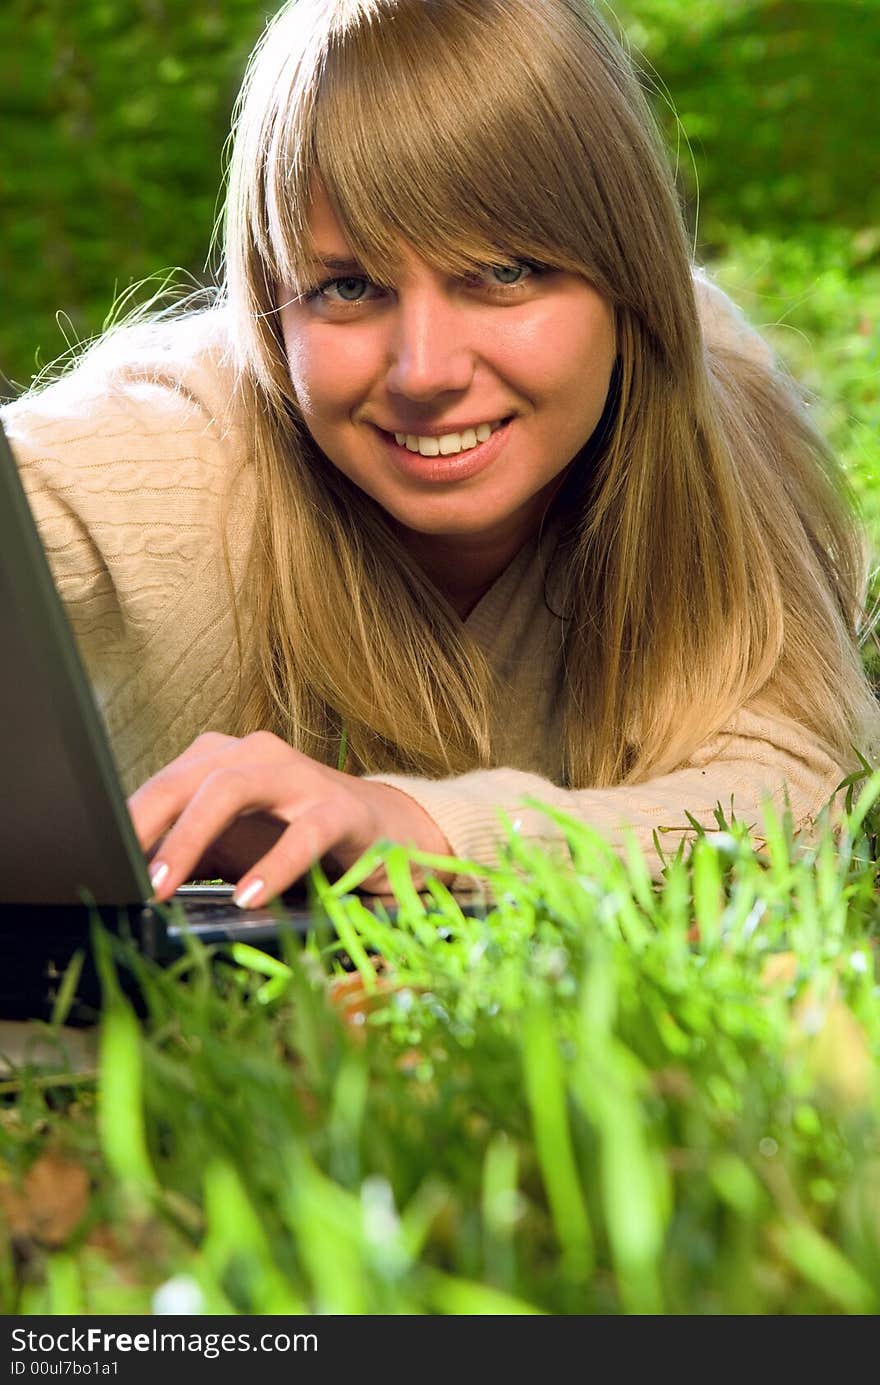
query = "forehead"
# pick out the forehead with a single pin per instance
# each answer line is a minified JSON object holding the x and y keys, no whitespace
{"x":330,"y":244}
{"x":323,"y":223}
{"x":341,"y":252}
{"x":326,"y":233}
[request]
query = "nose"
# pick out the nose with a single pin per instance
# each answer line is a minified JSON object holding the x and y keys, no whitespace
{"x":430,"y":352}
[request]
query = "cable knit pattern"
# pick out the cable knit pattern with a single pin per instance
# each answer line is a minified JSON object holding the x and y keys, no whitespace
{"x":126,"y":461}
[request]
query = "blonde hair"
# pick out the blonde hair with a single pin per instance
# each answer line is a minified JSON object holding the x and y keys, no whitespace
{"x":708,"y":554}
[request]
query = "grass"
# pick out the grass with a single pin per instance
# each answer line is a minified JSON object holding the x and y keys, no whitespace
{"x":607,"y":1096}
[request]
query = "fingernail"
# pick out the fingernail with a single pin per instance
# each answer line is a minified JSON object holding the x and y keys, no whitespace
{"x":244,"y":898}
{"x":158,"y":871}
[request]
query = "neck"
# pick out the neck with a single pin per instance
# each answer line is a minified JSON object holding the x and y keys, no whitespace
{"x":464,"y":566}
{"x":462,"y":574}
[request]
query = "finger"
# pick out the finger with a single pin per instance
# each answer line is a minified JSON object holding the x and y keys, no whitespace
{"x":208,"y":743}
{"x":221,"y":797}
{"x":156,"y":804}
{"x":245,"y":841}
{"x":310,"y":835}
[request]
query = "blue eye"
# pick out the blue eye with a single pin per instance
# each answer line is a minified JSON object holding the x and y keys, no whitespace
{"x":507,"y":280}
{"x":509,"y":269}
{"x":344,"y":288}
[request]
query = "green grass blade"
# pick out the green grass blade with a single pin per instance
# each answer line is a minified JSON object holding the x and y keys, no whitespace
{"x":121,"y":1113}
{"x":546,"y":1095}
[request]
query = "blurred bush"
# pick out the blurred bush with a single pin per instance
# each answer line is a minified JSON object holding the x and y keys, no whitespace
{"x":113,"y":116}
{"x":778,"y":101}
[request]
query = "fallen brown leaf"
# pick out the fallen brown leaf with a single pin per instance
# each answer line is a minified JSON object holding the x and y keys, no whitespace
{"x":50,"y":1202}
{"x":353,"y":1001}
{"x":839,"y":1055}
{"x":780,"y":968}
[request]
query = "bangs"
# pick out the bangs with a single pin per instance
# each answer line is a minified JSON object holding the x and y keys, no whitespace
{"x":433,"y":126}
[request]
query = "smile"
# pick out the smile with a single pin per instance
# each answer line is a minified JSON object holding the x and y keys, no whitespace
{"x":447,"y":444}
{"x":430,"y":464}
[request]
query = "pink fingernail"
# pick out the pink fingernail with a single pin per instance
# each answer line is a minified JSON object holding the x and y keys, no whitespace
{"x":158,"y":871}
{"x":246,"y":897}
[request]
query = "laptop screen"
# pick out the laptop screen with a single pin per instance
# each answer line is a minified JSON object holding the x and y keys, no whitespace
{"x":65,"y":833}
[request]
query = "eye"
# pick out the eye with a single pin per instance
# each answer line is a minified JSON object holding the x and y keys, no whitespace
{"x":508,"y":274}
{"x":506,"y":280}
{"x":343,"y":291}
{"x":351,"y":289}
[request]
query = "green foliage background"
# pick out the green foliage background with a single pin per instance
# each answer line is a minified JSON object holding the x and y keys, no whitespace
{"x":114,"y":114}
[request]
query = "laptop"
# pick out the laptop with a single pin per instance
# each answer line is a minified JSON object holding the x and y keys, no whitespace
{"x":68,"y":849}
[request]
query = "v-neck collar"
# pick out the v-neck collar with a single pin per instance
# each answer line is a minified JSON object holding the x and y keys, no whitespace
{"x":482,"y":620}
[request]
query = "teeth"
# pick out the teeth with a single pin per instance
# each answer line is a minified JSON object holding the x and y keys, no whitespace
{"x":456,"y":442}
{"x":449,"y":443}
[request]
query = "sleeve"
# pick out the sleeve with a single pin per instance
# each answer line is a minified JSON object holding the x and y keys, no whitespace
{"x":124,"y":467}
{"x":756,"y":758}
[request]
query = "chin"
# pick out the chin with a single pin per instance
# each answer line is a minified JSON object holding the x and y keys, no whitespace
{"x":446,"y":527}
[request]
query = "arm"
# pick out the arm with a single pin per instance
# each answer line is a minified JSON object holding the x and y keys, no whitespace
{"x":755,"y":756}
{"x":124,"y":460}
{"x":725,"y":325}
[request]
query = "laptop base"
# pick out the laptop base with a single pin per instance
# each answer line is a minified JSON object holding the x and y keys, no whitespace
{"x":39,"y":942}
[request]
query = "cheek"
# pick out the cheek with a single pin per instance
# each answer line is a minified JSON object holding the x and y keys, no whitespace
{"x":585,"y":360}
{"x":312,"y":368}
{"x":563,"y":354}
{"x":327,"y":373}
{"x":314,"y":374}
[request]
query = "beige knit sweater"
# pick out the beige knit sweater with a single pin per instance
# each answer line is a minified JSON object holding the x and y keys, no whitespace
{"x":125,"y":464}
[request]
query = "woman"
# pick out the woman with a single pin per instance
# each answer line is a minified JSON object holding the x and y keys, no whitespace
{"x":449,"y":479}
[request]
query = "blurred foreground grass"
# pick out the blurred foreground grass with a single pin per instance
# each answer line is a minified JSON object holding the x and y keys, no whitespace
{"x":605,"y":1097}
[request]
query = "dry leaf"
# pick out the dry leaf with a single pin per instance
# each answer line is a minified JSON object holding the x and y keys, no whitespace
{"x":839,"y":1056}
{"x":353,"y":1001}
{"x":780,"y":968}
{"x":50,"y":1201}
{"x":826,"y":1031}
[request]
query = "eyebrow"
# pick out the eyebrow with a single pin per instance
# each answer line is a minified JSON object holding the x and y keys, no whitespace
{"x":339,"y":264}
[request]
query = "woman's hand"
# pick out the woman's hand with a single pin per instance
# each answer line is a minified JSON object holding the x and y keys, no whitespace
{"x":262,"y":813}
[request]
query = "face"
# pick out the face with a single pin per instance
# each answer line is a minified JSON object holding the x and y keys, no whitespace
{"x":435,"y":359}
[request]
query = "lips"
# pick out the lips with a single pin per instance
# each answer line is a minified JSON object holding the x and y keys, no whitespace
{"x":459,"y":466}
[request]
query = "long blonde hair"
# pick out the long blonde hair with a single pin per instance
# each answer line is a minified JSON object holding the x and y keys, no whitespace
{"x":708,"y":554}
